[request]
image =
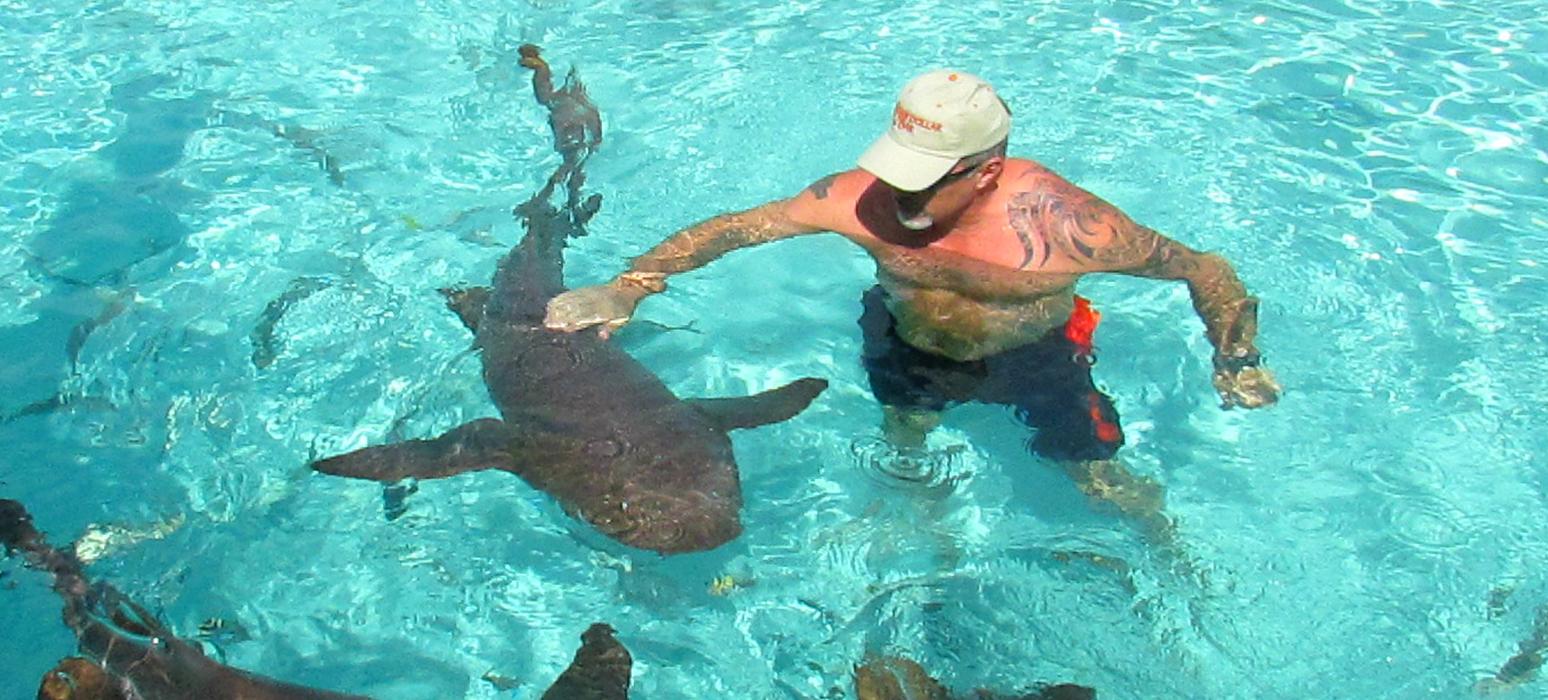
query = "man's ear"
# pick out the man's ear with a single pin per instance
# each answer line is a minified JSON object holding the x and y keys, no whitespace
{"x":989,"y":172}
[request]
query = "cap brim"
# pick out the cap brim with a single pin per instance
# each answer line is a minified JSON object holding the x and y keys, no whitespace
{"x":903,"y":167}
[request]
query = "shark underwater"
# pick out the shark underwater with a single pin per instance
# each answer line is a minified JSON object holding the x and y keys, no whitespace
{"x":127,"y":654}
{"x":581,"y":419}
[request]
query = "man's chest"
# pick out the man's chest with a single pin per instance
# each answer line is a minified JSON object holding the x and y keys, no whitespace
{"x":1027,"y":231}
{"x":1015,"y":239}
{"x":979,"y":276}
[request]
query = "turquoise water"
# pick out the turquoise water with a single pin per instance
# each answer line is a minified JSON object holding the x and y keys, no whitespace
{"x":1376,"y":173}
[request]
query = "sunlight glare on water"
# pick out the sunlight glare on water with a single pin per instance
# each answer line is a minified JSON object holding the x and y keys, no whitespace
{"x":250,"y":208}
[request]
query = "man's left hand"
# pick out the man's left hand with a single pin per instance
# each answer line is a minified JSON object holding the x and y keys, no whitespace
{"x":1248,"y":387}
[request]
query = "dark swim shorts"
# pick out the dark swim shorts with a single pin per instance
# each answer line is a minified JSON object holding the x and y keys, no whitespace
{"x":1048,"y":383}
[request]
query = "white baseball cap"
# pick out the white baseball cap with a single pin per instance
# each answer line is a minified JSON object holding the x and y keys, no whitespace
{"x":941,"y":117}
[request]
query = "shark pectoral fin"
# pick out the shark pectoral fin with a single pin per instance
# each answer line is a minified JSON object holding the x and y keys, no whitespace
{"x":481,"y":444}
{"x":467,"y":303}
{"x":771,"y":406}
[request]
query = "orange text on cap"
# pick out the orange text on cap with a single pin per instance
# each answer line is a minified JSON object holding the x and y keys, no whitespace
{"x":905,"y":120}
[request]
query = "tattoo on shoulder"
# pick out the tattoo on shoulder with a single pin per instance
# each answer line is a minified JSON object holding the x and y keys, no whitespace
{"x":1022,"y":213}
{"x":1076,"y":224}
{"x":820,"y":188}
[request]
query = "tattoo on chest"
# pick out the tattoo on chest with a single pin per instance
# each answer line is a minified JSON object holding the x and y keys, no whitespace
{"x":1022,"y":213}
{"x":820,"y":188}
{"x":1081,"y":227}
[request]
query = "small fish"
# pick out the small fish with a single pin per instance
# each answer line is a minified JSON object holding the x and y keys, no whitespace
{"x":117,"y":302}
{"x":301,"y":138}
{"x":500,"y":683}
{"x":60,"y":402}
{"x":218,"y":629}
{"x":264,"y":345}
{"x":306,"y":140}
{"x":101,"y":540}
{"x":724,"y":585}
{"x":1498,"y":596}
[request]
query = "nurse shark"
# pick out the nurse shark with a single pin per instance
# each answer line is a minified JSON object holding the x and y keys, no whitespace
{"x":581,"y":419}
{"x":128,"y":654}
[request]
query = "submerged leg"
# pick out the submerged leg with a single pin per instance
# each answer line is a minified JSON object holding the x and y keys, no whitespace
{"x":1139,"y":498}
{"x":913,"y":386}
{"x":907,"y":428}
{"x":1075,"y":424}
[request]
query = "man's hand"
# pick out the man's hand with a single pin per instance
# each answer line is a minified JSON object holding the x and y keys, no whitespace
{"x":608,"y":305}
{"x":1248,"y":387}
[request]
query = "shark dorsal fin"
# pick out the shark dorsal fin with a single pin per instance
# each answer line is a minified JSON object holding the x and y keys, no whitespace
{"x":771,"y":406}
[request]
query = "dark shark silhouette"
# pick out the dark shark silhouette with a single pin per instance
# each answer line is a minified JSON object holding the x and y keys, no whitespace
{"x":600,"y":671}
{"x":583,"y":420}
{"x":130,"y":654}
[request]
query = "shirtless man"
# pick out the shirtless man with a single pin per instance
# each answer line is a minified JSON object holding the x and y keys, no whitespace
{"x":977,"y":257}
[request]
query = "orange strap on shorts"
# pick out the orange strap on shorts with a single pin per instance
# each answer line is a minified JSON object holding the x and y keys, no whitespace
{"x":1082,"y":324}
{"x":1079,"y":330}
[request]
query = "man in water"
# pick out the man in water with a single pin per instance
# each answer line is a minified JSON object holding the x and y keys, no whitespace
{"x":977,"y":257}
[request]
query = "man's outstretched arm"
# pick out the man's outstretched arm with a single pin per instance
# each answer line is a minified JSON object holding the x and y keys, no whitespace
{"x":1230,"y":315}
{"x":612,"y":303}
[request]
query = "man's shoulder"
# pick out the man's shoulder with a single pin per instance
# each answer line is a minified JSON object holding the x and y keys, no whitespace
{"x":829,"y":203}
{"x":1032,"y":175}
{"x":1027,"y":182}
{"x":841,"y":186}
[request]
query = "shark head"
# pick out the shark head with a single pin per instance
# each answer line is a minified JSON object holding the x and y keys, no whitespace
{"x":133,"y":648}
{"x":694,"y":518}
{"x":76,"y":678}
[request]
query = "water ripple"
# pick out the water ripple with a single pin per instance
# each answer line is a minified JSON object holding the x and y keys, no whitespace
{"x":1430,"y":525}
{"x":887,"y":465}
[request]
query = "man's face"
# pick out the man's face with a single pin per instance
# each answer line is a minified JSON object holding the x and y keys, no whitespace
{"x":942,"y":201}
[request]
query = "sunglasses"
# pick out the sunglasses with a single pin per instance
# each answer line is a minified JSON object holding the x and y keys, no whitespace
{"x":950,"y":177}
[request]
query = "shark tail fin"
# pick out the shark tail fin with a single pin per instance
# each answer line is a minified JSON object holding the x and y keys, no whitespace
{"x":771,"y":406}
{"x":481,"y":444}
{"x":600,"y":671}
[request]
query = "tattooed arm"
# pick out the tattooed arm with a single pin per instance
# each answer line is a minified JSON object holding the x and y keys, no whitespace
{"x":1230,"y":316}
{"x":1098,"y":236}
{"x":698,"y":245}
{"x":611,"y":304}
